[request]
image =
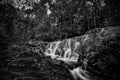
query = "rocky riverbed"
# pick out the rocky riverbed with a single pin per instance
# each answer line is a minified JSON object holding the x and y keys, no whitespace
{"x":92,"y":56}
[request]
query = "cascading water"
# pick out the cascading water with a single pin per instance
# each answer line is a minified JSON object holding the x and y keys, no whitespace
{"x":82,"y":55}
{"x":63,"y":50}
{"x":68,"y":51}
{"x":80,"y":74}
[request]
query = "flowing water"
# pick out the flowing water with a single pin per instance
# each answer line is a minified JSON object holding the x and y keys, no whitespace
{"x":68,"y":51}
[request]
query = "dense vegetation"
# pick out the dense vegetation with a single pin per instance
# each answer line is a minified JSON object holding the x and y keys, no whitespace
{"x":47,"y":20}
{"x":52,"y":20}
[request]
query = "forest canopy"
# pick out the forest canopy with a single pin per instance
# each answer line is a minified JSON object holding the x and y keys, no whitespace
{"x":51,"y":20}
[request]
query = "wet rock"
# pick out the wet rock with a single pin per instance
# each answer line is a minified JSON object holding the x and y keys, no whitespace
{"x":101,"y":53}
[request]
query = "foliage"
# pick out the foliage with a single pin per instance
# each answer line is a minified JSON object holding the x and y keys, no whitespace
{"x":51,"y":20}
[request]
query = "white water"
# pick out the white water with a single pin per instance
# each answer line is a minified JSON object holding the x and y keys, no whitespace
{"x":68,"y":51}
{"x":79,"y":74}
{"x":62,"y":50}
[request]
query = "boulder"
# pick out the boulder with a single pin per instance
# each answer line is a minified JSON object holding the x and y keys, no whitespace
{"x":101,"y":53}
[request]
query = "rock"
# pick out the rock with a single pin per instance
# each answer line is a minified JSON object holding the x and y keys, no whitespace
{"x":98,"y":52}
{"x":101,"y":53}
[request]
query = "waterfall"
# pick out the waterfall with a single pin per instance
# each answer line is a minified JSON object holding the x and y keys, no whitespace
{"x":80,"y":74}
{"x":69,"y":51}
{"x":63,"y":50}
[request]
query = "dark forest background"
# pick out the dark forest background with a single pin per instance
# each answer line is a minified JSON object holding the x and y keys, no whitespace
{"x":47,"y":20}
{"x":51,"y":20}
